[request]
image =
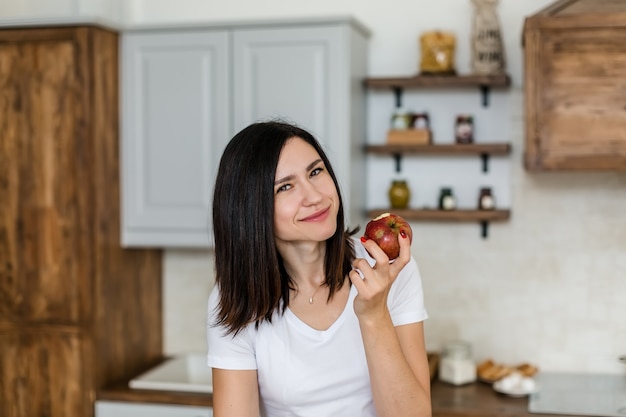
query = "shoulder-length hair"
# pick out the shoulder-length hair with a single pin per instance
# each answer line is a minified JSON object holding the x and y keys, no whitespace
{"x":250,"y":273}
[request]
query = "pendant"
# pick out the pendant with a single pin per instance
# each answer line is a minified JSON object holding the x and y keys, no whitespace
{"x":310,"y":300}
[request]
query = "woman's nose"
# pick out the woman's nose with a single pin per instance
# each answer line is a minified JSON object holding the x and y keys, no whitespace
{"x":310,"y":193}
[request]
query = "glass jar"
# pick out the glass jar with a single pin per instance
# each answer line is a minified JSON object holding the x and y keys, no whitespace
{"x":400,"y":119}
{"x":447,"y":201}
{"x":464,"y":129}
{"x":399,"y":194}
{"x":420,"y":121}
{"x":486,"y":200}
{"x":456,"y":366}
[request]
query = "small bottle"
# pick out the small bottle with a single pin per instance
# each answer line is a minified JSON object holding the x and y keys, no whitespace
{"x":399,"y":194}
{"x":464,"y":129}
{"x":447,"y":201}
{"x":457,"y":366}
{"x":486,"y":200}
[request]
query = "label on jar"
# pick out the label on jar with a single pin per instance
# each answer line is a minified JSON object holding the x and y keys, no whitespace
{"x":448,"y":203}
{"x":487,"y":202}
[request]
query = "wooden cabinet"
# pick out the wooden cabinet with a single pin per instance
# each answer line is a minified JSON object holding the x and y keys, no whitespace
{"x":574,"y":54}
{"x":187,"y":91}
{"x":76,"y":310}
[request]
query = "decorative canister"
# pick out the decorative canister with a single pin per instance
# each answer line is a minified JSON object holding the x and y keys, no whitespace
{"x":486,"y":200}
{"x":399,"y":194}
{"x":457,"y":366}
{"x":447,"y":201}
{"x":437,"y":53}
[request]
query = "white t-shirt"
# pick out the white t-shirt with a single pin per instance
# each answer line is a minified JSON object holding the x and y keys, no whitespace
{"x":307,"y":372}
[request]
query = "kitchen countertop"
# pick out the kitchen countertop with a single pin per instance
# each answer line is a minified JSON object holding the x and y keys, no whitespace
{"x":472,"y":400}
{"x":477,"y":400}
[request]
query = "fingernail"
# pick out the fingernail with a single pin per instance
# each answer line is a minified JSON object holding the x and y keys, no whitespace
{"x":363,"y":239}
{"x":403,"y":233}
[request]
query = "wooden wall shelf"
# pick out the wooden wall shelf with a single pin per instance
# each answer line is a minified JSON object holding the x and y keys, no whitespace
{"x":458,"y":215}
{"x":484,"y":150}
{"x":398,"y":84}
{"x":498,"y":80}
{"x":444,"y":149}
{"x":484,"y":217}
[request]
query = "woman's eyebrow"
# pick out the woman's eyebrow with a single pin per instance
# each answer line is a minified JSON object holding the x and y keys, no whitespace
{"x":290,"y":177}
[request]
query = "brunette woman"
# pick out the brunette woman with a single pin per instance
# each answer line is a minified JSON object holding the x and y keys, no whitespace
{"x":304,"y":319}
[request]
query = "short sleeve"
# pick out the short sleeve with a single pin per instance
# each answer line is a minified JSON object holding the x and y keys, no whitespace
{"x":406,"y":297}
{"x":228,"y":351}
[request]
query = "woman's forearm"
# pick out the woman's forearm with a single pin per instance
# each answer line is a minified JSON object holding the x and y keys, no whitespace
{"x":400,"y":387}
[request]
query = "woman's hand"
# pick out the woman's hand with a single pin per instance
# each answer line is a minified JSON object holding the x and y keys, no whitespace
{"x":373,"y":283}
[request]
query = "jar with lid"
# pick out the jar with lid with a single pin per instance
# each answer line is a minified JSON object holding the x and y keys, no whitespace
{"x":399,"y":194}
{"x":447,"y":201}
{"x":400,"y":119}
{"x":420,"y":120}
{"x":486,"y":200}
{"x":464,"y":129}
{"x":457,"y":366}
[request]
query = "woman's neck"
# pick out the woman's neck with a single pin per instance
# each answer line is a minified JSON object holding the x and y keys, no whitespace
{"x":305,"y":263}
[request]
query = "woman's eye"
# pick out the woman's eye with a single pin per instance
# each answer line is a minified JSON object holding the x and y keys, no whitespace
{"x":316,"y":171}
{"x":283,"y":187}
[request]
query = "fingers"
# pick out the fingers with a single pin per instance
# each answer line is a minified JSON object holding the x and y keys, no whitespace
{"x":357,"y":277}
{"x":375,"y":251}
{"x":405,"y":256}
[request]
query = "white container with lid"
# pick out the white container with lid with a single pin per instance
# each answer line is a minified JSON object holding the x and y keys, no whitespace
{"x":457,"y":366}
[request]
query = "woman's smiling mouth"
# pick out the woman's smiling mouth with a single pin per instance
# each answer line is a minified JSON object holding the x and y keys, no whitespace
{"x":318,"y":216}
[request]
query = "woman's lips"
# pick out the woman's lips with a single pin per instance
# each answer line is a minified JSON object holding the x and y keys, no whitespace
{"x":319,"y":216}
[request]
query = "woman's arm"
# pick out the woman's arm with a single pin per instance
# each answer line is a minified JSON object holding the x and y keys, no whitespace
{"x":398,"y":369}
{"x":235,"y":393}
{"x":396,"y":356}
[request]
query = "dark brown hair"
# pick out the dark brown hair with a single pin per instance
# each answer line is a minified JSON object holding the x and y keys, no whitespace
{"x":250,"y":273}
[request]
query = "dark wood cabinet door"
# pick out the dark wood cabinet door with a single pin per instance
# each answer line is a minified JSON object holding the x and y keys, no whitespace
{"x":44,"y":161}
{"x":574,"y":59}
{"x":77,"y":311}
{"x":41,"y":374}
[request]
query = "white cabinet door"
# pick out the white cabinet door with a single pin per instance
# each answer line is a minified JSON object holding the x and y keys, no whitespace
{"x":308,"y":75}
{"x":125,"y":409}
{"x":186,"y":92}
{"x":175,"y":121}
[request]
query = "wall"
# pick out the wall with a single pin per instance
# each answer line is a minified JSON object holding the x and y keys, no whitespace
{"x":110,"y":10}
{"x":546,"y":287}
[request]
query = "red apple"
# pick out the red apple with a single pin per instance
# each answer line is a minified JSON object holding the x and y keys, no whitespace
{"x":384,"y":230}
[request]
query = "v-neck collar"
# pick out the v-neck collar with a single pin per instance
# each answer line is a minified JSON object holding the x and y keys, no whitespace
{"x":315,"y":334}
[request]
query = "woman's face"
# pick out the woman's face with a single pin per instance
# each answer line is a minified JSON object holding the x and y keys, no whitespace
{"x":306,"y":201}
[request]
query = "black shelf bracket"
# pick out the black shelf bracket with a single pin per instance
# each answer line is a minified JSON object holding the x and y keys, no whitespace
{"x":484,"y":89}
{"x":398,"y":158}
{"x":484,"y":229}
{"x":485,"y":160}
{"x":398,"y":93}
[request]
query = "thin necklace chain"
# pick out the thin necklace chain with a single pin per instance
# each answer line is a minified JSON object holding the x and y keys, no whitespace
{"x":312,"y":298}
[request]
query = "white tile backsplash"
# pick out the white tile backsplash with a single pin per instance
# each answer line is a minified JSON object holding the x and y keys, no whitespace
{"x":188,"y":276}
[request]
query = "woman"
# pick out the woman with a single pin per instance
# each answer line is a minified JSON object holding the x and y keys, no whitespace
{"x":304,"y":320}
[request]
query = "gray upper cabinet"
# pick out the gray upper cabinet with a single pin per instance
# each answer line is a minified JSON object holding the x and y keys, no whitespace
{"x":175,"y":119}
{"x":187,"y":91}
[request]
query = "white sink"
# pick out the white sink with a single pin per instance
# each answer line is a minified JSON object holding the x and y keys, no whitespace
{"x":181,"y":373}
